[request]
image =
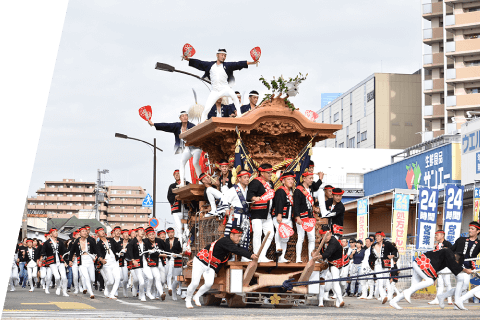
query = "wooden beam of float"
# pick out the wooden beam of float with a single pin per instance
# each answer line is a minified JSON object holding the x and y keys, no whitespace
{"x":271,"y":133}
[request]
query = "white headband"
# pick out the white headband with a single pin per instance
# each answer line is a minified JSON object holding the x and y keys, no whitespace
{"x":221,"y":52}
{"x":253,"y":95}
{"x":182,"y":113}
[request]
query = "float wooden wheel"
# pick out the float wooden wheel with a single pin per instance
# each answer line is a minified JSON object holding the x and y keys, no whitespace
{"x":235,"y":301}
{"x":211,"y":300}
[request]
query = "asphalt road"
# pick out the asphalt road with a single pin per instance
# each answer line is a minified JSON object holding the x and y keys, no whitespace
{"x":22,"y":304}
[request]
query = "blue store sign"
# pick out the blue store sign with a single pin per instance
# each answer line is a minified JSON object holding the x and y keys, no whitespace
{"x":432,"y":169}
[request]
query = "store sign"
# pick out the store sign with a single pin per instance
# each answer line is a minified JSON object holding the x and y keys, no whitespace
{"x":432,"y":169}
{"x":427,"y":218}
{"x":400,"y":221}
{"x":471,"y":142}
{"x":453,"y":210}
{"x":362,"y":218}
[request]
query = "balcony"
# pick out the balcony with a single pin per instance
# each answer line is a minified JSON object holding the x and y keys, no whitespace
{"x":450,"y":47}
{"x":432,"y":10}
{"x":466,"y":101}
{"x":435,"y":60}
{"x":463,"y":47}
{"x":432,"y":112}
{"x":433,"y":86}
{"x":466,"y":20}
{"x":451,"y":101}
{"x":449,"y":21}
{"x":434,"y":35}
{"x":467,"y":74}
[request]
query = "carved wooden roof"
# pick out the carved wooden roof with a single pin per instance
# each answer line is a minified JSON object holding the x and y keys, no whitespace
{"x":271,"y":133}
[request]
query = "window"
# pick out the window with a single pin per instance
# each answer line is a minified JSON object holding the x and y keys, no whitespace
{"x":473,"y":9}
{"x":129,"y":192}
{"x":78,"y":195}
{"x":472,"y":36}
{"x":351,"y":143}
{"x":473,"y":90}
{"x":335,"y":117}
{"x":340,"y":145}
{"x":112,"y":216}
{"x":364,"y":136}
{"x":472,"y":63}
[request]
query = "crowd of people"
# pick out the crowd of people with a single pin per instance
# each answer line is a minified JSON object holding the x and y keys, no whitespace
{"x":140,"y":261}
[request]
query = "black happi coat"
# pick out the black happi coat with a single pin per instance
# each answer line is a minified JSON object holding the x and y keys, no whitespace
{"x":282,"y":205}
{"x":175,"y":204}
{"x":444,"y":244}
{"x":26,"y":258}
{"x":386,"y":250}
{"x":258,"y":210}
{"x":153,"y":258}
{"x":49,"y":252}
{"x":222,"y":249}
{"x":337,"y":219}
{"x":102,"y":248}
{"x":76,"y":249}
{"x":438,"y":260}
{"x":461,"y":246}
{"x":300,"y":205}
{"x":122,"y":256}
{"x":333,"y":253}
{"x":134,"y":252}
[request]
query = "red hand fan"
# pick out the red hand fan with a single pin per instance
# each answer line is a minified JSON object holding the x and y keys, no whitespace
{"x":285,"y":230}
{"x":308,"y":224}
{"x":145,"y":113}
{"x":188,"y":50}
{"x":255,"y":53}
{"x":311,"y":115}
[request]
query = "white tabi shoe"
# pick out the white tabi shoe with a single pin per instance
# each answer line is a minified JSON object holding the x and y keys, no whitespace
{"x":31,"y":289}
{"x":434,"y":301}
{"x":142,"y":298}
{"x":188,"y":303}
{"x":283,"y":260}
{"x":46,"y":290}
{"x":150,"y":296}
{"x":407,"y":294}
{"x":339,"y":304}
{"x":58,"y":291}
{"x":65,"y":294}
{"x":76,"y":291}
{"x":459,"y":305}
{"x":394,"y":304}
{"x":449,"y":300}
{"x":441,"y":300}
{"x":197,"y":301}
{"x":174,"y":295}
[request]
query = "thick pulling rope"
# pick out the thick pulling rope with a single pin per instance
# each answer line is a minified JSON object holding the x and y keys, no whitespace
{"x":289,"y":284}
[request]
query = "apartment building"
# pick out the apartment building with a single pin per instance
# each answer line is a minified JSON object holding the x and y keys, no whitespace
{"x":61,"y":199}
{"x":382,"y":111}
{"x":451,"y":65}
{"x":125,"y":207}
{"x":120,"y":205}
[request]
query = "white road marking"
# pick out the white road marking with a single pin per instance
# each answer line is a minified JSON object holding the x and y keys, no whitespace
{"x":138,"y":304}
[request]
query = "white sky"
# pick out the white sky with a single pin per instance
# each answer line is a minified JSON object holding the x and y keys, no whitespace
{"x":105,"y":71}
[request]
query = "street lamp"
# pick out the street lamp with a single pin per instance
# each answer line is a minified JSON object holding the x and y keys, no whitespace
{"x":154,"y":145}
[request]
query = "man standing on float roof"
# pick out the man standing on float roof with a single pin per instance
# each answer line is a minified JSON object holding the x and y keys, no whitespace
{"x":220,"y":73}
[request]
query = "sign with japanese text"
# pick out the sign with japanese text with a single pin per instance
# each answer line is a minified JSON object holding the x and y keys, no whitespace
{"x":362,"y":218}
{"x":452,"y":212}
{"x":476,"y":204}
{"x":401,"y":207}
{"x":432,"y":168}
{"x":427,"y":218}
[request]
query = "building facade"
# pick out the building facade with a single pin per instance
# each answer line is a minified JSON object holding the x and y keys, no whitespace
{"x":383,"y":111}
{"x":451,"y":65}
{"x":120,"y":205}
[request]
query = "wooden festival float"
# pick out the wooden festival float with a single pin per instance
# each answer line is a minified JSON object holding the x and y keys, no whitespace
{"x":272,"y":133}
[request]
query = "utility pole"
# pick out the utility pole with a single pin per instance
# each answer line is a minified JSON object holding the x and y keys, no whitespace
{"x":24,"y":220}
{"x":99,"y":191}
{"x":154,"y":176}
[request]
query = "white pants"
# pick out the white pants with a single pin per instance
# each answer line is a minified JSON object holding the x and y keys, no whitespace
{"x":301,"y":236}
{"x":356,"y":271}
{"x":417,"y":283}
{"x":156,"y":279}
{"x":336,"y":284}
{"x":111,"y":276}
{"x":186,"y":155}
{"x":213,"y":194}
{"x":344,"y":274}
{"x":324,"y":288}
{"x":199,"y":270}
{"x":384,"y":284}
{"x":214,"y":95}
{"x":58,"y":271}
{"x":443,"y":281}
{"x":259,"y":225}
{"x":366,"y":284}
{"x":177,"y":219}
{"x":138,"y":279}
{"x":32,"y":273}
{"x":75,"y":276}
{"x":13,"y":277}
{"x":172,"y":274}
{"x":87,"y":272}
{"x":124,"y":278}
{"x":162,"y":269}
{"x":281,"y":243}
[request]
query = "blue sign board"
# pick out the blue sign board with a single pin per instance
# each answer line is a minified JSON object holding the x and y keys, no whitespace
{"x":453,"y":210}
{"x":432,"y":169}
{"x":362,"y":207}
{"x":402,"y":202}
{"x":153,"y":222}
{"x":471,"y":142}
{"x":427,"y":218}
{"x":477,"y":162}
{"x":148,"y":201}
